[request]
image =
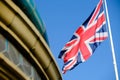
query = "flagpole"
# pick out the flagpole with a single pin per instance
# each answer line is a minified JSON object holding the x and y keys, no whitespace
{"x":111,"y":41}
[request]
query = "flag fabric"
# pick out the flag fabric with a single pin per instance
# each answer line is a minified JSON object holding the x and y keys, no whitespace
{"x":85,"y":40}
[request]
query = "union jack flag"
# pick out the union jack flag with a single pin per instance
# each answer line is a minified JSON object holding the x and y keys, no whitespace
{"x":85,"y":40}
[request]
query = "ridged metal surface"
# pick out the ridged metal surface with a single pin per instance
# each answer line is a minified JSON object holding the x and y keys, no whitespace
{"x":23,"y":31}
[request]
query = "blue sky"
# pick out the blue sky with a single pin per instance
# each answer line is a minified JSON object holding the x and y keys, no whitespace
{"x":63,"y":17}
